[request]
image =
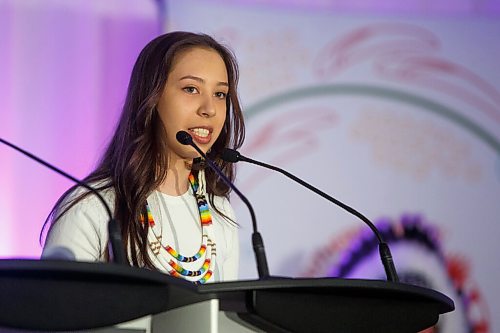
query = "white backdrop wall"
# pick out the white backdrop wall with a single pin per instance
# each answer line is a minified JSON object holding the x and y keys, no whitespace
{"x":396,"y":116}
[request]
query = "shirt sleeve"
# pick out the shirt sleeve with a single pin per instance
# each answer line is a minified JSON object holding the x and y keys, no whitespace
{"x":80,"y":233}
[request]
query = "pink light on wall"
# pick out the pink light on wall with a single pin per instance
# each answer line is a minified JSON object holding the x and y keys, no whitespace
{"x":64,"y":70}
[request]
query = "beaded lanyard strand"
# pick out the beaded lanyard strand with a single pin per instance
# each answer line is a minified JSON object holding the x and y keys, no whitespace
{"x":174,"y":264}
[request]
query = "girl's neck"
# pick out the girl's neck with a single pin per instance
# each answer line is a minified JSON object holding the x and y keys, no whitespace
{"x":176,"y":181}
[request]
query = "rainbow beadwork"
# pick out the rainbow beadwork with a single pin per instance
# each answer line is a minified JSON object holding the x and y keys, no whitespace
{"x":205,"y":217}
{"x":175,"y":268}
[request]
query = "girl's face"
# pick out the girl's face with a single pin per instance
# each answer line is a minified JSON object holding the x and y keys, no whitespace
{"x":194,"y":100}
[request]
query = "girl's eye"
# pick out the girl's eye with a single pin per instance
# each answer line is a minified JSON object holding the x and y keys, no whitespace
{"x":190,"y":90}
{"x":221,"y":95}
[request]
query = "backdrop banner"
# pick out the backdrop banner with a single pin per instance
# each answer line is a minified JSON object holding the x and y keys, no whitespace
{"x":398,"y":117}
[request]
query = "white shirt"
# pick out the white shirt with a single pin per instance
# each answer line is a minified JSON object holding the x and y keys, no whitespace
{"x":82,"y":230}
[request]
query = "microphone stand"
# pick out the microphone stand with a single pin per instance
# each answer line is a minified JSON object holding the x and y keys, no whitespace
{"x":115,"y":239}
{"x":257,"y":241}
{"x":230,"y":155}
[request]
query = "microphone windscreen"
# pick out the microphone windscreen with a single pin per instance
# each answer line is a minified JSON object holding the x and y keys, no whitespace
{"x":184,"y":137}
{"x":230,"y":155}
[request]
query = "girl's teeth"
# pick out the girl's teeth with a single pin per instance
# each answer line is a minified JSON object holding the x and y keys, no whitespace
{"x":202,"y":132}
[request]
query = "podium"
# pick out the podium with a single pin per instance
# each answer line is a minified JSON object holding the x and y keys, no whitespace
{"x":52,"y":295}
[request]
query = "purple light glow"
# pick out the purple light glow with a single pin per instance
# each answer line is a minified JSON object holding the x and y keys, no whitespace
{"x":65,"y":68}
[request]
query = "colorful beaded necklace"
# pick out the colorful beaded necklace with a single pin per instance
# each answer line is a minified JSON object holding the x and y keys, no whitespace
{"x":171,"y":259}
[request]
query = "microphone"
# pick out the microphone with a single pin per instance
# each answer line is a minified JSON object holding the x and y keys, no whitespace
{"x":257,"y":241}
{"x":115,"y":239}
{"x":233,"y":156}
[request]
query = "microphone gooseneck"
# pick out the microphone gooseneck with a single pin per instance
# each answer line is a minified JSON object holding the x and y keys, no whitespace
{"x":257,"y":241}
{"x":115,"y":239}
{"x":231,"y":155}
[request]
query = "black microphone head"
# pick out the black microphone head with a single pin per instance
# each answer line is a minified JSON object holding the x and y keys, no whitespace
{"x":184,"y":138}
{"x":230,"y":155}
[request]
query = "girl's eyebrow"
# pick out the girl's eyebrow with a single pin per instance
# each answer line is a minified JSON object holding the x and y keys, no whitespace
{"x":199,"y":79}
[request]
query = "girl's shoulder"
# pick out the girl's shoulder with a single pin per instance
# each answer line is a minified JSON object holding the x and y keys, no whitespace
{"x":83,"y":200}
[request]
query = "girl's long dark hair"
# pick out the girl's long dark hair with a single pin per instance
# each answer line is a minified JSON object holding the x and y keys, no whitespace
{"x":135,"y":161}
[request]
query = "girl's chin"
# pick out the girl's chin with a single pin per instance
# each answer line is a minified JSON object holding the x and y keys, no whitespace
{"x":192,"y":155}
{"x":187,"y":153}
